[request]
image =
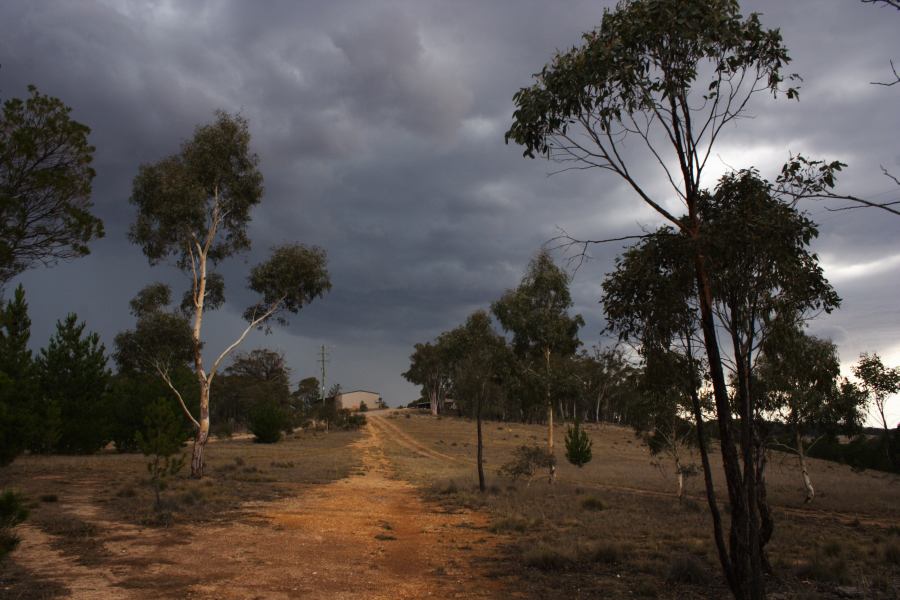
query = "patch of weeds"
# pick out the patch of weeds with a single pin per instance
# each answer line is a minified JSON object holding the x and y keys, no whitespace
{"x":513,"y":523}
{"x":250,"y":470}
{"x":547,"y":559}
{"x":687,"y":568}
{"x":593,"y":503}
{"x":832,"y":549}
{"x":384,"y":537}
{"x":127,"y":492}
{"x":825,"y":570}
{"x":407,"y":415}
{"x":67,"y":526}
{"x":447,"y":488}
{"x":239,"y":461}
{"x":644,"y":589}
{"x":49,"y":498}
{"x":892,"y":553}
{"x":282,"y":465}
{"x":607,"y":553}
{"x":386,"y":526}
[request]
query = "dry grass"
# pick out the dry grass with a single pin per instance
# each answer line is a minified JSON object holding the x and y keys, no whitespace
{"x":618,"y":518}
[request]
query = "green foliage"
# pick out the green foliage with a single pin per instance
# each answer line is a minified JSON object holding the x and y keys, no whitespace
{"x":45,"y":185}
{"x":74,"y":383}
{"x":292,"y":277}
{"x":527,"y":460}
{"x":18,"y":383}
{"x":267,"y":421}
{"x":130,"y":396}
{"x":161,"y":439}
{"x":644,"y":55}
{"x":254,"y":378}
{"x":12,"y":512}
{"x":536,"y":313}
{"x":430,"y":367}
{"x":878,"y":381}
{"x":578,"y":446}
{"x":215,"y":171}
{"x":362,"y":406}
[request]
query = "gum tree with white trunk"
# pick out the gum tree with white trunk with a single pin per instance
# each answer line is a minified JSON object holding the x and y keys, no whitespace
{"x":194,"y":207}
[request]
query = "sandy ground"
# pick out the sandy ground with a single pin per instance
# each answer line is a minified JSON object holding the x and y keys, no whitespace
{"x":371,"y":535}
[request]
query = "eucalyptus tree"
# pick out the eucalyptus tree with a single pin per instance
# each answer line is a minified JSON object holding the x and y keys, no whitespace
{"x":194,"y":207}
{"x":798,"y":377}
{"x":537,"y":315}
{"x":762,"y":277}
{"x":878,"y":382}
{"x":670,"y":75}
{"x":480,"y":358}
{"x":430,"y":368}
{"x":45,"y":184}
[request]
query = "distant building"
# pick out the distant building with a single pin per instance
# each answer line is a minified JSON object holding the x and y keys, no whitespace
{"x":353,"y":400}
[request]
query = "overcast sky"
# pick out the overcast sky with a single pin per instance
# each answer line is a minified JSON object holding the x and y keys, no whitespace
{"x":380,"y":124}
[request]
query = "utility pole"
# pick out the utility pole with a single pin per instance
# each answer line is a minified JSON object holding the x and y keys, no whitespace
{"x":323,"y":360}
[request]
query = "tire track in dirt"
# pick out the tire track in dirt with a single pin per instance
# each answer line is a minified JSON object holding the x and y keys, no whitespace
{"x":407,"y":441}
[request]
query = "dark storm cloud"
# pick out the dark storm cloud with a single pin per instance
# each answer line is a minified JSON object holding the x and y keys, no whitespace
{"x":380,"y":131}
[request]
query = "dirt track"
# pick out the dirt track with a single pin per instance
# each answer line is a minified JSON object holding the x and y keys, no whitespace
{"x":367,"y":536}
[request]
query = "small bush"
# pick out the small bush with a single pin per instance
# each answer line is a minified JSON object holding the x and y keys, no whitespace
{"x":578,"y":446}
{"x":825,"y":570}
{"x":448,"y":488}
{"x":49,"y":498}
{"x":12,"y":512}
{"x":593,"y":503}
{"x":267,"y":421}
{"x":687,"y":568}
{"x":513,"y":523}
{"x":526,"y":462}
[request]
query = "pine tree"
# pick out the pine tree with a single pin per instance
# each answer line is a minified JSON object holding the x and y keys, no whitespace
{"x":74,"y":382}
{"x":578,"y":446}
{"x":17,"y":377}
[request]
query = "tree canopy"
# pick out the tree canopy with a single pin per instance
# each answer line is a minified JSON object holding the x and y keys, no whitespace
{"x":45,"y":185}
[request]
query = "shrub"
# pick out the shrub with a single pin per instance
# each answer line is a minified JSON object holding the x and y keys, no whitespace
{"x":161,"y":439}
{"x":526,"y":461}
{"x":687,"y":568}
{"x":354,"y":422}
{"x":592,"y":503}
{"x":362,"y":406}
{"x":578,"y":446}
{"x":12,"y":512}
{"x":267,"y":421}
{"x":547,"y":559}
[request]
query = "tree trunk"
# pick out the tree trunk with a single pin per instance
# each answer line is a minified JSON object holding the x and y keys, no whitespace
{"x":480,"y":444}
{"x":551,"y":477}
{"x":737,"y":573}
{"x":807,"y":483}
{"x":679,"y":472}
{"x":202,"y":433}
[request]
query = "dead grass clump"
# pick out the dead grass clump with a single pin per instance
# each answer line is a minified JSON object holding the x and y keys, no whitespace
{"x":514,"y":523}
{"x":282,"y":465}
{"x":547,"y":559}
{"x":687,"y":568}
{"x":593,"y":503}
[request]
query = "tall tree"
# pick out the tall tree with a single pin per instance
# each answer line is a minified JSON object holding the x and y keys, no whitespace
{"x":430,"y":368}
{"x":878,"y":383}
{"x":18,"y":385}
{"x":45,"y":185}
{"x":195,"y":206}
{"x":673,"y":74}
{"x":537,"y":315}
{"x":74,"y":381}
{"x":480,"y":357}
{"x":798,"y":377}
